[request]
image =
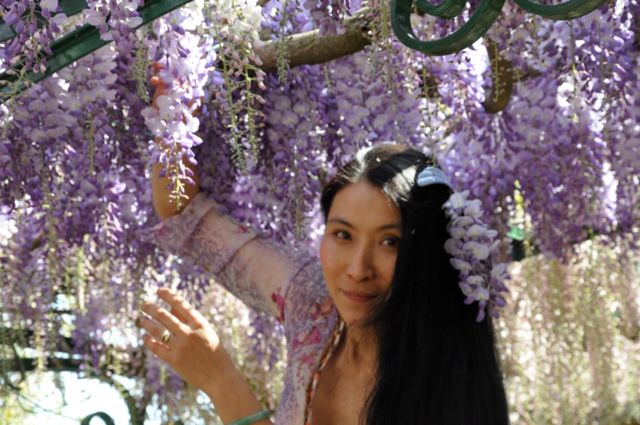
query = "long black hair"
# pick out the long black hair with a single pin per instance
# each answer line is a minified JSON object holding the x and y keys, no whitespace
{"x":436,"y":364}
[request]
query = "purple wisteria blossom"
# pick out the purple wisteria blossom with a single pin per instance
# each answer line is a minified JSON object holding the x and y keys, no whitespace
{"x":561,"y":161}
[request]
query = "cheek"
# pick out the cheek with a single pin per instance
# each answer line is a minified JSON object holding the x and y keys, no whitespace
{"x":330,"y":261}
{"x":388,"y":268}
{"x":323,"y":249}
{"x":325,"y":255}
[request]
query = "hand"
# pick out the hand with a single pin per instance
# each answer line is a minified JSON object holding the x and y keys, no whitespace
{"x":158,"y":83}
{"x":193,"y":350}
{"x":162,"y":87}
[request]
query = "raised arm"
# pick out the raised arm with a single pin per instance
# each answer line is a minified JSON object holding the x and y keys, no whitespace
{"x":162,"y":203}
{"x":194,"y":352}
{"x":256,"y":270}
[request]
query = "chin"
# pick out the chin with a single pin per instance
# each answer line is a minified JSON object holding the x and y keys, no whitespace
{"x":352,"y":317}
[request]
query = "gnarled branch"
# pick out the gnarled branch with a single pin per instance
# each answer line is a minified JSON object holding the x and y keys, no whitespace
{"x":309,"y":48}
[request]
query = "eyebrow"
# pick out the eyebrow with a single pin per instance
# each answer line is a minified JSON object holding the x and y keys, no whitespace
{"x":346,"y":223}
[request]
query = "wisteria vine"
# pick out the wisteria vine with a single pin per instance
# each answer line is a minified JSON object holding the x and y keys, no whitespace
{"x":560,"y":163}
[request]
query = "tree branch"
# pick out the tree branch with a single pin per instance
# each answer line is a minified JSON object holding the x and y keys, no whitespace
{"x":54,"y":364}
{"x":309,"y":48}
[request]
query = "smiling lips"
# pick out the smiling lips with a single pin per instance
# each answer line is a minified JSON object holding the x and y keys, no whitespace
{"x":358,"y":297}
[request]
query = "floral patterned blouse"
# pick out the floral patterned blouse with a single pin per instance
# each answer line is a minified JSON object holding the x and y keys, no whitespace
{"x":270,"y":278}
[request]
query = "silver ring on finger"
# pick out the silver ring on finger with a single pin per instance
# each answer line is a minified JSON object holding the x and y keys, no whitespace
{"x":165,"y":337}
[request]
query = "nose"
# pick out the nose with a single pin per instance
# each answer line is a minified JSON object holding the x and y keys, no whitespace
{"x":361,"y":265}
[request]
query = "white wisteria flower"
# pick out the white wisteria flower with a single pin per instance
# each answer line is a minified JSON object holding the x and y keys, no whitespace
{"x":463,"y":222}
{"x":473,"y":209}
{"x":460,"y":265}
{"x":490,"y":233}
{"x":475,"y":280}
{"x":93,"y":17}
{"x":133,"y":22}
{"x":452,"y":247}
{"x":478,"y":250}
{"x":457,"y":200}
{"x":499,"y":271}
{"x":470,"y":246}
{"x":481,"y":293}
{"x":458,"y":233}
{"x":466,"y":289}
{"x":476,"y":231}
{"x":51,"y":5}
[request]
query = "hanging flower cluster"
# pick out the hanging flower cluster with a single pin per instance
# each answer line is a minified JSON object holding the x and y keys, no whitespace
{"x":472,"y":247}
{"x":114,"y":19}
{"x":327,"y":15}
{"x":369,"y":102}
{"x":234,"y":25}
{"x":560,"y":161}
{"x":185,"y":59}
{"x":32,"y":37}
{"x":293,"y":126}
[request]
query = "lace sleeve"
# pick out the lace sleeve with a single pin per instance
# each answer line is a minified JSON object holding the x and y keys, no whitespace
{"x":254,"y":269}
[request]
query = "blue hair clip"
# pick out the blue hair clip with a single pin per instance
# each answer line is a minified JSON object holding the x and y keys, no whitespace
{"x":432,"y":175}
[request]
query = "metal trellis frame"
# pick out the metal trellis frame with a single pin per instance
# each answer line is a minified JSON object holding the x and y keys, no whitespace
{"x":481,"y":19}
{"x":86,"y":39}
{"x":72,"y":46}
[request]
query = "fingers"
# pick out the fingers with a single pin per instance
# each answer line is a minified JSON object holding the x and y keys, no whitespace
{"x":181,"y":307}
{"x":151,"y":327}
{"x":157,"y":66}
{"x":153,"y":337}
{"x":156,"y":347}
{"x":181,"y":317}
{"x":156,"y":81}
{"x":165,"y":318}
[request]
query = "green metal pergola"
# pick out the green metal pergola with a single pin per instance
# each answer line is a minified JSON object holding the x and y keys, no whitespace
{"x":86,"y":39}
{"x":478,"y":23}
{"x":74,"y":45}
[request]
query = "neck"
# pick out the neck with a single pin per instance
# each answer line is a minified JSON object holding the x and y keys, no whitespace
{"x":359,"y":347}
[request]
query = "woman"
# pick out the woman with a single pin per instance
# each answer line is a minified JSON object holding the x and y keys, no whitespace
{"x":377,"y":330}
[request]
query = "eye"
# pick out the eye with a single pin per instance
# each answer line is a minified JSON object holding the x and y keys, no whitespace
{"x":341,"y":234}
{"x":392,"y":242}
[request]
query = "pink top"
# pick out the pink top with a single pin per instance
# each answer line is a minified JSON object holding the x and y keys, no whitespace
{"x":268,"y":277}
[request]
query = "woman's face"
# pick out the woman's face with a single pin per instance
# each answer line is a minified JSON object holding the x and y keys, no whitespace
{"x":359,"y":248}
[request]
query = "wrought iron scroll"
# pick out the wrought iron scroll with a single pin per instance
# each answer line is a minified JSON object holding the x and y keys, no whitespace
{"x":481,"y":19}
{"x":564,"y":11}
{"x":85,"y":40}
